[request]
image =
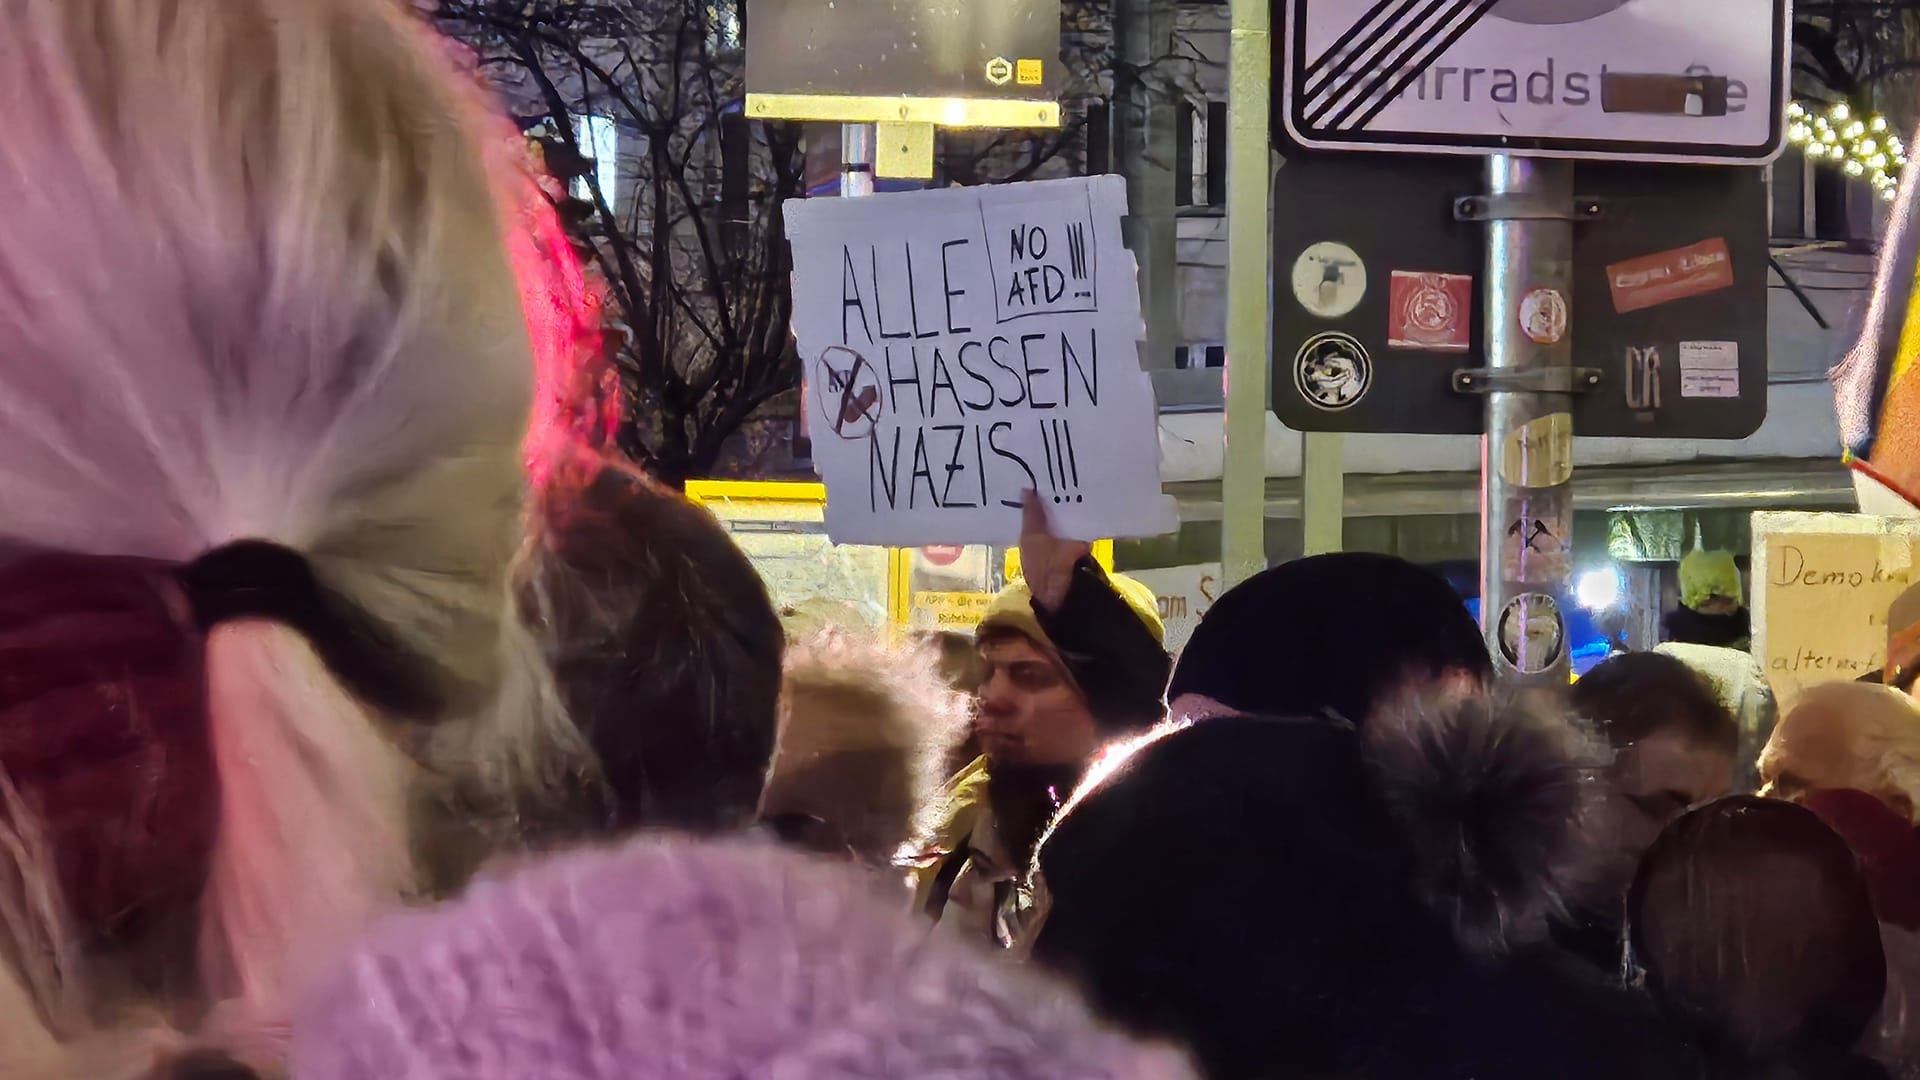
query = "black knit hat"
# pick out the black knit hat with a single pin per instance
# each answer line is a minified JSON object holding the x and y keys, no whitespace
{"x":1328,"y":901}
{"x":1331,"y":632}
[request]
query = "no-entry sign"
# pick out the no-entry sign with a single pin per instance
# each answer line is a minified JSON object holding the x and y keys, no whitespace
{"x":1653,"y":80}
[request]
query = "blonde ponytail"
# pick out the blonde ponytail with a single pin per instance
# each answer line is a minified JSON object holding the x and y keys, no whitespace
{"x":254,"y":288}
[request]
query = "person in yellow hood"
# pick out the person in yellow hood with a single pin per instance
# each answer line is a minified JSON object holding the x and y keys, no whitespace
{"x":1072,"y":657}
{"x":1713,"y":607}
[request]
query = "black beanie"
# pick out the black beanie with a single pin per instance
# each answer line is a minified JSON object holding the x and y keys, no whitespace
{"x":1330,"y":632}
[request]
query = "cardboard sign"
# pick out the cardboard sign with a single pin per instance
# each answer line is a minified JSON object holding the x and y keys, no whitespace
{"x":1822,"y":586}
{"x":953,"y":612}
{"x":1185,"y":593}
{"x":1662,"y":278}
{"x":966,"y":345}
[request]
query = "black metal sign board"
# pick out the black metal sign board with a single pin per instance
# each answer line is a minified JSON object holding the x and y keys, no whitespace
{"x":941,"y":61}
{"x":1378,"y":296}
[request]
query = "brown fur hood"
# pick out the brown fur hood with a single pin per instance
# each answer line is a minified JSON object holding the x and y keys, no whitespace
{"x":865,"y":730}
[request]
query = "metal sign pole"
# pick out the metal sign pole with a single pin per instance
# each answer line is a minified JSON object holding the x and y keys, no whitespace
{"x":1526,"y":507}
{"x":1243,"y":480}
{"x":856,"y":160}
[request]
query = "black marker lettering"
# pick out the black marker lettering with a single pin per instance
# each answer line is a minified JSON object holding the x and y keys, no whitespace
{"x":1070,"y":361}
{"x":946,"y":278}
{"x":961,"y":357}
{"x":879,"y":302}
{"x":850,"y":284}
{"x":922,"y":470}
{"x":1026,"y":362}
{"x":942,"y":378}
{"x":953,"y":465}
{"x":1009,"y":369}
{"x":886,"y":472}
{"x":912,"y":379}
{"x":913,"y":297}
{"x":993,"y":443}
{"x":980,"y":459}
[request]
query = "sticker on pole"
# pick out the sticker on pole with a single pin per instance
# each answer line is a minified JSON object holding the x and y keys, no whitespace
{"x":1332,"y":371}
{"x":1537,"y":544}
{"x":1329,"y":279}
{"x":1544,"y":316}
{"x":968,"y":345}
{"x":1530,"y":634}
{"x":1539,"y":453}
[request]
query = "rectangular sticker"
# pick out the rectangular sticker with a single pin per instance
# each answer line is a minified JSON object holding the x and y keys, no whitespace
{"x":1661,"y":278}
{"x":1709,"y":369}
{"x":1429,"y":311}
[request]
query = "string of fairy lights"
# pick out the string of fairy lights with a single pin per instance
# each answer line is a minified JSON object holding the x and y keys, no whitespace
{"x":1860,"y":143}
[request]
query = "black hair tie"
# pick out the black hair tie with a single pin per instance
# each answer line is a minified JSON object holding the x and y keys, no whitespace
{"x":258,"y":579}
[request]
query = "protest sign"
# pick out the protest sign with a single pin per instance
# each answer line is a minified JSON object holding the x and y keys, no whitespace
{"x":1822,"y":585}
{"x":950,"y":612}
{"x":965,"y":345}
{"x":1185,"y":594}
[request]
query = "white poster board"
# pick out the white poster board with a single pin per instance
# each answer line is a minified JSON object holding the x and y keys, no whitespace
{"x":1185,"y":594}
{"x":1822,"y":584}
{"x":965,"y":345}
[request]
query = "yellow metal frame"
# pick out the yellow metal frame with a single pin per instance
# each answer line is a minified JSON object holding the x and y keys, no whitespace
{"x":814,"y":496}
{"x":954,"y":112}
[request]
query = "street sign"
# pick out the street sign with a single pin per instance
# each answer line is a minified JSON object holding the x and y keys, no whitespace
{"x":1379,"y":297}
{"x":1650,"y":80}
{"x":987,"y":63}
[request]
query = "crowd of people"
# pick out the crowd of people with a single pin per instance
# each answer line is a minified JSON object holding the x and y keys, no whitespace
{"x":361,"y":719}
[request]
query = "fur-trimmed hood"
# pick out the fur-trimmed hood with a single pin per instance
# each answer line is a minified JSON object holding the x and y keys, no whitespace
{"x":865,"y":732}
{"x":1489,"y":795}
{"x":1331,"y":897}
{"x":1493,"y":796}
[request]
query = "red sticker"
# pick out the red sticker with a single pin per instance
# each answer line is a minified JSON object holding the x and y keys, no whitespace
{"x":1661,"y":278}
{"x":942,"y":554}
{"x":1429,"y":311}
{"x":1543,"y":316}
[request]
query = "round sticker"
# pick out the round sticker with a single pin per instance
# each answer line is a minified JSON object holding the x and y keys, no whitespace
{"x":1531,"y":637}
{"x":1332,"y":371}
{"x":1543,"y":316}
{"x":1329,"y":279}
{"x":942,"y":554}
{"x":1430,"y":308}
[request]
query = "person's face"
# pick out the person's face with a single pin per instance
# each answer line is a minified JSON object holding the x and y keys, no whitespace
{"x":1029,"y":714}
{"x":1816,"y":748}
{"x":1718,"y":605}
{"x":1649,"y":784}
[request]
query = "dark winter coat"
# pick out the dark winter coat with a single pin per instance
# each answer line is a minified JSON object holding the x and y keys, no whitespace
{"x":1324,"y":903}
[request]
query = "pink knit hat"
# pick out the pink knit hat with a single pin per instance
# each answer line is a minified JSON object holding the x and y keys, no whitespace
{"x":693,"y":960}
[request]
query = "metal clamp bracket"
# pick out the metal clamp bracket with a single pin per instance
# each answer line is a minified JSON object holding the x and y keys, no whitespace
{"x":1518,"y":207}
{"x":1547,"y":380}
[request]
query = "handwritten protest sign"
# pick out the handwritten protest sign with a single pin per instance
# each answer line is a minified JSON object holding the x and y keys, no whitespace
{"x":1822,"y":585}
{"x":1185,"y":593}
{"x":963,"y":346}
